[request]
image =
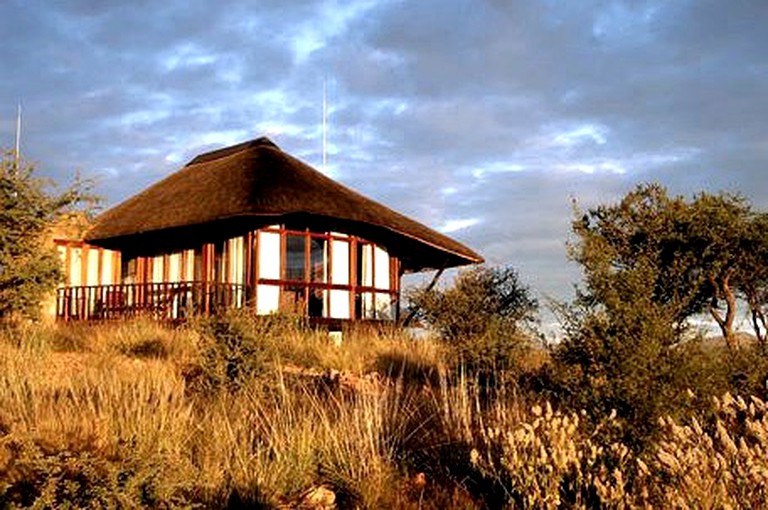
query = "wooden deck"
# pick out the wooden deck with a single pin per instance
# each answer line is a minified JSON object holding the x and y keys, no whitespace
{"x":174,"y":302}
{"x":163,"y":301}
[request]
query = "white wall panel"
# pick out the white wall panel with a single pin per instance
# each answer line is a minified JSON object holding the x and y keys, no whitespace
{"x":267,"y":299}
{"x":366,"y":278}
{"x":92,"y":267}
{"x":174,"y":267}
{"x":382,"y":269}
{"x":340,"y":262}
{"x":107,"y":271}
{"x":236,"y":260}
{"x":157,"y":269}
{"x":269,"y":255}
{"x":75,"y":267}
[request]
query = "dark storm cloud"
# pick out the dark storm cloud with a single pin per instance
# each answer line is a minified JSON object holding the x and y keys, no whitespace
{"x":482,"y":118}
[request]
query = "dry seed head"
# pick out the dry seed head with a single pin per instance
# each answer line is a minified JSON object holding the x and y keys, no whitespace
{"x":725,"y":439}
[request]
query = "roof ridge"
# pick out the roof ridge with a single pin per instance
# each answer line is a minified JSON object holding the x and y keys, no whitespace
{"x":233,"y":149}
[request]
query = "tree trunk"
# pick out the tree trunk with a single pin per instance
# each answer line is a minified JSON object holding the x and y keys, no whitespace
{"x":723,"y":289}
{"x":756,"y":314}
{"x":758,"y":324}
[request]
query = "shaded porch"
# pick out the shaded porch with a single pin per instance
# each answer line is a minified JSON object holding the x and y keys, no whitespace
{"x":174,"y":301}
{"x":162,"y":301}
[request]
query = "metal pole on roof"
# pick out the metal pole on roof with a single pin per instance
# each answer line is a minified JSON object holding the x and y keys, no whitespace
{"x":17,"y":152}
{"x":325,"y":129}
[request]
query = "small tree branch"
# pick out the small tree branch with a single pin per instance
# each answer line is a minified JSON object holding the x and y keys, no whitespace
{"x":415,"y":309}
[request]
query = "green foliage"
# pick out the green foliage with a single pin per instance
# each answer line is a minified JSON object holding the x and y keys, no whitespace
{"x":29,"y":265}
{"x":685,"y":256}
{"x":235,"y":351}
{"x":80,"y":479}
{"x":485,"y":318}
{"x":479,"y":297}
{"x":637,"y":250}
{"x":650,"y":263}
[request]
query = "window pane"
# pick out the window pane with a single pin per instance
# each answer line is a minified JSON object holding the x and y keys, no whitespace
{"x":339,"y":301}
{"x":293,"y":299}
{"x":381,"y":263}
{"x":365,"y":264}
{"x":199,"y":265}
{"x":340,"y":261}
{"x":317,"y":260}
{"x":317,"y":302}
{"x":294,"y":257}
{"x":267,"y":298}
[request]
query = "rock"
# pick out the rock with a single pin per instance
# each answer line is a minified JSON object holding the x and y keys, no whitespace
{"x":318,"y":498}
{"x":419,"y":480}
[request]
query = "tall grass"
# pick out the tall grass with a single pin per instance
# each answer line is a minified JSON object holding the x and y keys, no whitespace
{"x":109,"y":416}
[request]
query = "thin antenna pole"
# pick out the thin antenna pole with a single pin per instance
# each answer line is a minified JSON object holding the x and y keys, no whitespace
{"x":325,"y":128}
{"x":18,"y":136}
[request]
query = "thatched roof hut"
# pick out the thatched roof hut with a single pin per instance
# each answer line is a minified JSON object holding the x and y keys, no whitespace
{"x":233,"y":190}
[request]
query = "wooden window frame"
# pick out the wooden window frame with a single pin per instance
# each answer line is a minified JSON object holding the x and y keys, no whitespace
{"x":353,"y":287}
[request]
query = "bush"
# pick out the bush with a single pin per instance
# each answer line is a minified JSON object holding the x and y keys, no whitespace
{"x":35,"y":477}
{"x":234,"y":351}
{"x":486,"y":318}
{"x":29,"y":265}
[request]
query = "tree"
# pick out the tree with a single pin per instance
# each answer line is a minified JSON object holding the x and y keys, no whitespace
{"x":651,"y":262}
{"x":479,"y":297}
{"x":485,"y":318}
{"x":754,"y":285}
{"x":694,"y":256}
{"x":29,"y":265}
{"x":638,"y":249}
{"x":729,"y":237}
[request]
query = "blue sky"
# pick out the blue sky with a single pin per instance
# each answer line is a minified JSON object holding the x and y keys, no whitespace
{"x":484,"y":119}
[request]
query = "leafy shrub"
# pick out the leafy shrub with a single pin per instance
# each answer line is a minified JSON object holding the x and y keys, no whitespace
{"x":480,"y":296}
{"x":237,"y":348}
{"x":29,"y":265}
{"x":35,"y":477}
{"x":486,"y":318}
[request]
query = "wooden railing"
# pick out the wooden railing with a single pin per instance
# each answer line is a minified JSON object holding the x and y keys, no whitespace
{"x":170,"y":301}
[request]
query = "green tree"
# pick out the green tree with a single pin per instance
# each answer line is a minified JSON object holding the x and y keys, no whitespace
{"x":696,"y":256}
{"x":29,"y":206}
{"x":486,"y":317}
{"x":721,"y":238}
{"x":651,"y":262}
{"x":639,"y":249}
{"x":754,"y":279}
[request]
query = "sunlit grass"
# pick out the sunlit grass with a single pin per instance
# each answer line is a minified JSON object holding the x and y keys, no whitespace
{"x":106,"y":416}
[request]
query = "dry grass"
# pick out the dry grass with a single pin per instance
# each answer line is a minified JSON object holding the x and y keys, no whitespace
{"x":106,"y":417}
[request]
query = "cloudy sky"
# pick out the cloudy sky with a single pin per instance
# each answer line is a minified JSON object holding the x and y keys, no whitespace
{"x":481,"y":118}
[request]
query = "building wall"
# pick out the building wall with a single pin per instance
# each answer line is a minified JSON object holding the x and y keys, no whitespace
{"x":86,"y":265}
{"x":329,"y":275}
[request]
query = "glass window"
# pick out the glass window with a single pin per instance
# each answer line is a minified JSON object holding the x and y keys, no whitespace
{"x":220,"y":262}
{"x":316,"y":302}
{"x":198,"y":265}
{"x":293,"y":299}
{"x":295,"y":253}
{"x":317,"y":259}
{"x":269,"y":255}
{"x":128,"y":270}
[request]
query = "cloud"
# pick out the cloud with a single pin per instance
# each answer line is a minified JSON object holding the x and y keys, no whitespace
{"x":481,"y":118}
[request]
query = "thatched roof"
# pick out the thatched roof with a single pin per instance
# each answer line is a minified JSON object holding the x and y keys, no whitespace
{"x":255,"y":183}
